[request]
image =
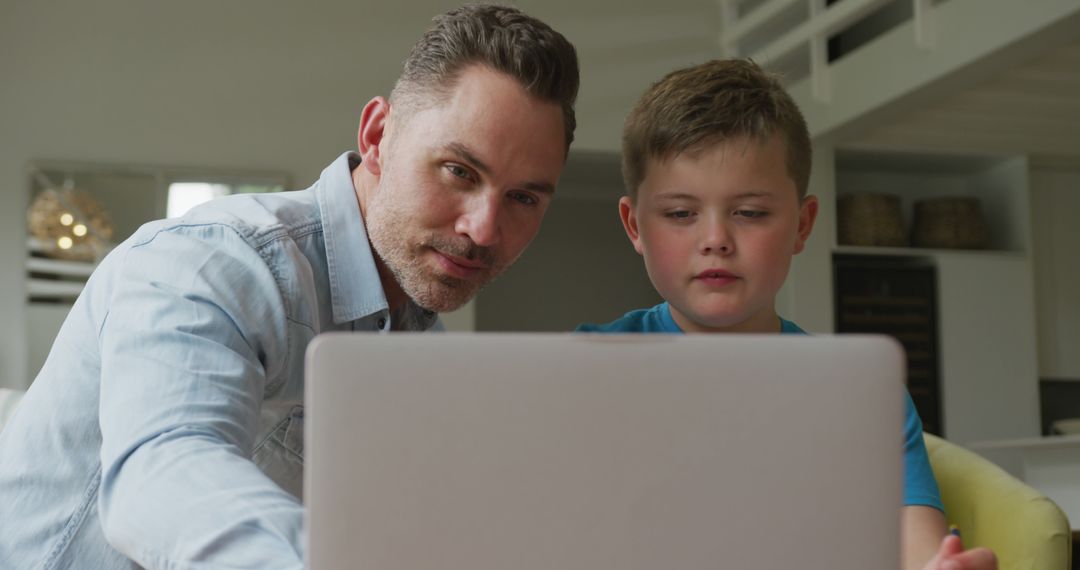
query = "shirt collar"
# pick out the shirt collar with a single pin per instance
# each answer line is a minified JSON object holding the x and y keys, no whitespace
{"x":355,"y":288}
{"x":667,"y":321}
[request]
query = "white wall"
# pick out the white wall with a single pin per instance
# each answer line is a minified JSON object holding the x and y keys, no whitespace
{"x":259,"y":85}
{"x":580,"y":268}
{"x":807,"y":295}
{"x":193,"y":83}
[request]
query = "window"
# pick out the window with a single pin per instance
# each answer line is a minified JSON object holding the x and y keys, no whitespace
{"x":183,"y":196}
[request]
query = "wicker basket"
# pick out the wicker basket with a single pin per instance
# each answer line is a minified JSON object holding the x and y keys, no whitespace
{"x":870,"y":219}
{"x":954,"y":222}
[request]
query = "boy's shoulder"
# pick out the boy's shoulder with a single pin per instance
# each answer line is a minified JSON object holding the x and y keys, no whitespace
{"x":655,"y":319}
{"x":658,"y":319}
{"x":788,"y":327}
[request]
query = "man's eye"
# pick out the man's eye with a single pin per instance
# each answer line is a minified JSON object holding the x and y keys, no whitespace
{"x":459,"y":171}
{"x":524,"y":198}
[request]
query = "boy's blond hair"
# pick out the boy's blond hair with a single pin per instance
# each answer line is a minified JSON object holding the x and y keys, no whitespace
{"x":700,"y":106}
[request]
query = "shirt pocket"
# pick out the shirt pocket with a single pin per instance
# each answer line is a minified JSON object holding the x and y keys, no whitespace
{"x":280,"y":453}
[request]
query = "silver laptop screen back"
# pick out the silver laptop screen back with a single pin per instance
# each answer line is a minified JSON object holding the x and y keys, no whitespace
{"x":586,"y":451}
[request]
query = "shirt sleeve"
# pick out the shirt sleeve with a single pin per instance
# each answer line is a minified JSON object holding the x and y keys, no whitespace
{"x":920,"y":486}
{"x":186,"y":352}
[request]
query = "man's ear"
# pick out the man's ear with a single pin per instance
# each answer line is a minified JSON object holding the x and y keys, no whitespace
{"x":807,"y":214}
{"x":628,"y":215}
{"x":373,"y":122}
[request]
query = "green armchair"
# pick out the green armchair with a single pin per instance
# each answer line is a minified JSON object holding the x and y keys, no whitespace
{"x":1024,"y":528}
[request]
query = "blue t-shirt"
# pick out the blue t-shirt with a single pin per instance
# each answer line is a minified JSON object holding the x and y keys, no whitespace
{"x":920,"y":487}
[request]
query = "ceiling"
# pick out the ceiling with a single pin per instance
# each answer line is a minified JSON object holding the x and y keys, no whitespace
{"x":1031,"y":108}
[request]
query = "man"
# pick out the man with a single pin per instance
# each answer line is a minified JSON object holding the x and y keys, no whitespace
{"x":165,"y":429}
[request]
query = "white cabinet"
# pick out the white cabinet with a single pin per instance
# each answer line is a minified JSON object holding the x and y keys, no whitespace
{"x":1056,"y":233}
{"x":988,"y":352}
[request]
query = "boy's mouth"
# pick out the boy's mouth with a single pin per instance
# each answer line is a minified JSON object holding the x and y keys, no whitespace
{"x":716,"y":277}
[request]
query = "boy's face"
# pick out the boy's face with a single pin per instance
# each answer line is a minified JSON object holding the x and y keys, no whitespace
{"x":717,"y":229}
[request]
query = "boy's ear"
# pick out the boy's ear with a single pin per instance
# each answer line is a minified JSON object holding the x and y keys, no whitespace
{"x":807,"y":215}
{"x":629,"y":221}
{"x":373,"y":122}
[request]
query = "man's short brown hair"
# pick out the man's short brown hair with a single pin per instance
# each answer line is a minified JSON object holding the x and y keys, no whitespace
{"x":700,"y":106}
{"x":502,"y":38}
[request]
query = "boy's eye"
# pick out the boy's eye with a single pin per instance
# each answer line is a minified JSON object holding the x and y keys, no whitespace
{"x":679,"y":214}
{"x":751,"y":214}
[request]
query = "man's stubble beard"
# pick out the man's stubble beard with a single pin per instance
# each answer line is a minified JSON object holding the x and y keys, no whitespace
{"x":403,"y":255}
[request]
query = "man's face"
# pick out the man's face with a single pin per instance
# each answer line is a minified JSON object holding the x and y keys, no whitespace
{"x":463,"y":187}
{"x":717,"y":230}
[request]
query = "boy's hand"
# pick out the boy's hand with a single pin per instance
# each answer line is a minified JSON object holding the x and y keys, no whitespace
{"x":952,"y":556}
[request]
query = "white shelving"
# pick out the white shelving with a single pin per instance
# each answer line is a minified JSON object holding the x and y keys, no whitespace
{"x":47,"y":288}
{"x":925,"y":252}
{"x":54,"y":280}
{"x":985,"y":298}
{"x":59,"y":267}
{"x":999,"y":183}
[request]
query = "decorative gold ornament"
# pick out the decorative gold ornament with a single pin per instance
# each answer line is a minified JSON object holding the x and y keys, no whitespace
{"x":70,"y":223}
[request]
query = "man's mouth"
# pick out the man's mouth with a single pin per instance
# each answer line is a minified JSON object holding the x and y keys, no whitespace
{"x":460,"y":267}
{"x":464,"y":261}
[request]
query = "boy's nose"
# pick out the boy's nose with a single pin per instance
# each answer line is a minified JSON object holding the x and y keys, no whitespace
{"x":480,"y":219}
{"x":716,"y":240}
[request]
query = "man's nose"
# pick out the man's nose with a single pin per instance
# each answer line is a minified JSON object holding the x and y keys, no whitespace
{"x":479,"y":219}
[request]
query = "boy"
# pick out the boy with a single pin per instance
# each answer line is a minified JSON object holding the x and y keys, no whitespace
{"x":716,"y":161}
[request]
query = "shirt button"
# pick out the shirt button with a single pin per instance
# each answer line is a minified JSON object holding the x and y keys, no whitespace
{"x":382,"y":323}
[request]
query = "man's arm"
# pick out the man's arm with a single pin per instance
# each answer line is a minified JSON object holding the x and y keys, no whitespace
{"x":185,"y":360}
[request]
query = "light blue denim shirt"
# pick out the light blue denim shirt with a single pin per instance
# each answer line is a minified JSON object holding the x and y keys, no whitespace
{"x":165,"y":430}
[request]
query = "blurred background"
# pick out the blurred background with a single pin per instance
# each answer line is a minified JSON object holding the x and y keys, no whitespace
{"x":947,"y":160}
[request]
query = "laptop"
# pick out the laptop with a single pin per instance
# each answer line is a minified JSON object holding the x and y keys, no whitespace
{"x":586,"y":452}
